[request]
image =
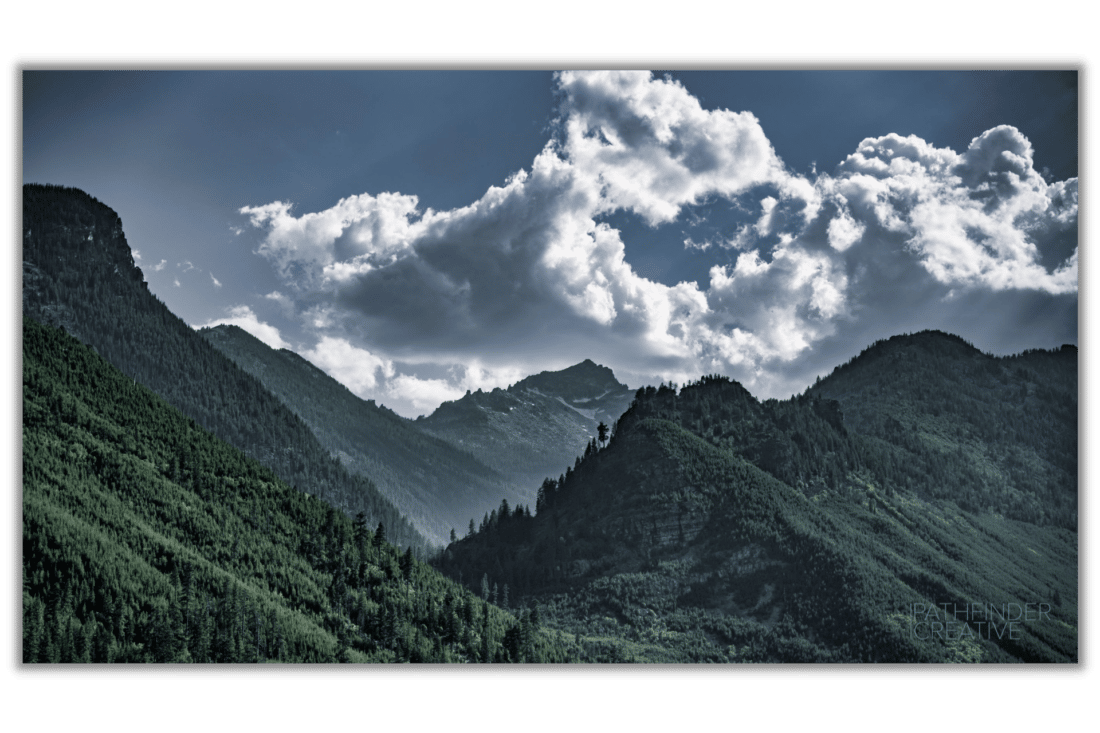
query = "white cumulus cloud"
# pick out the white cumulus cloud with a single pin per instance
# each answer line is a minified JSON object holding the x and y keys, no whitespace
{"x":356,"y":368}
{"x":653,"y":148}
{"x":977,"y":218}
{"x":530,"y":276}
{"x":243,"y":317}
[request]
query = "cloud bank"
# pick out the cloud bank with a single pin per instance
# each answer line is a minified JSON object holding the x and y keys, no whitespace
{"x":413,"y":307}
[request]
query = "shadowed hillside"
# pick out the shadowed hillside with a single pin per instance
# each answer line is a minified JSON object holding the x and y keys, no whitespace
{"x":989,"y":433}
{"x":146,"y":539}
{"x":435,"y":485}
{"x":79,"y":273}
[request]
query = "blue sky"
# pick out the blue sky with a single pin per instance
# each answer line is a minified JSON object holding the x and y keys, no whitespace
{"x":417,"y":234}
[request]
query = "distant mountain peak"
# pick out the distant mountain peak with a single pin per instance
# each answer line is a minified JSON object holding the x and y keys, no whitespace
{"x":538,"y":426}
{"x":586,"y":380}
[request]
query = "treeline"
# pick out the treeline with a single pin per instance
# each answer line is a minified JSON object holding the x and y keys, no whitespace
{"x":79,"y":274}
{"x":146,"y":539}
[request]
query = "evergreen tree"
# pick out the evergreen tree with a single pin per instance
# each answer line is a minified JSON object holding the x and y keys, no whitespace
{"x":541,"y":497}
{"x":486,"y":646}
{"x":33,"y":623}
{"x":360,"y":528}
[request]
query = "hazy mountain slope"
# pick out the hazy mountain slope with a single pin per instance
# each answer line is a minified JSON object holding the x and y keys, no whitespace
{"x":146,"y":539}
{"x":1002,"y":429}
{"x":78,"y":272}
{"x":435,"y":485}
{"x":535,"y":428}
{"x":669,"y":545}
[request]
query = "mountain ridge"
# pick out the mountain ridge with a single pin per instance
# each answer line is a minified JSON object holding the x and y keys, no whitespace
{"x":715,"y":527}
{"x":79,"y":273}
{"x":536,"y":427}
{"x":989,"y":420}
{"x":436,"y":485}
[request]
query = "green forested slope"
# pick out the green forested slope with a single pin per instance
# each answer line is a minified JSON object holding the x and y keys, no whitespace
{"x":990,"y":433}
{"x":145,"y":539}
{"x":79,"y":273}
{"x":672,"y":545}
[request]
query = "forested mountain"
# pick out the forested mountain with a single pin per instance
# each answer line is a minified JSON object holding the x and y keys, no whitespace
{"x":715,"y":527}
{"x":919,"y":504}
{"x":435,"y":485}
{"x":146,"y":539}
{"x":79,"y":273}
{"x":536,"y":427}
{"x":989,"y":433}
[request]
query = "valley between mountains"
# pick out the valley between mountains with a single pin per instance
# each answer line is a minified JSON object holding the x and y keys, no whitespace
{"x":197,"y":496}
